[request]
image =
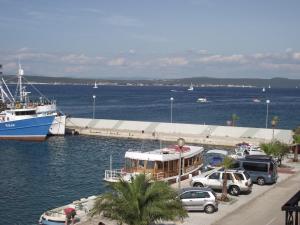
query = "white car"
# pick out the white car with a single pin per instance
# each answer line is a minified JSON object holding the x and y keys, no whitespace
{"x":237,"y":181}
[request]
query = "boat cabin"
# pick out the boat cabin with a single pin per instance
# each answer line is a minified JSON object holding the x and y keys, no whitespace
{"x":162,"y":163}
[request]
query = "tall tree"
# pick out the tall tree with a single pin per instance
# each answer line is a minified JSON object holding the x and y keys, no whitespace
{"x":140,"y":202}
{"x":296,"y":140}
{"x":227,"y":163}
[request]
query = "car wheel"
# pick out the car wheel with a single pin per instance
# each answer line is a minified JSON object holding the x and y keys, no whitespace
{"x":261,"y":181}
{"x":198,"y":185}
{"x":234,"y":190}
{"x":209,"y":209}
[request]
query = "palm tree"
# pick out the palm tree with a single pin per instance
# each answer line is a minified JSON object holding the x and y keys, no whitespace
{"x":227,"y":163}
{"x":296,"y":140}
{"x":234,"y":118}
{"x":140,"y":202}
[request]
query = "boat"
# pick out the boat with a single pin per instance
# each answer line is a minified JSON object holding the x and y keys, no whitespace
{"x":213,"y":158}
{"x":160,"y":164}
{"x":57,"y":216}
{"x":191,"y":88}
{"x":19,"y":107}
{"x":243,"y":149}
{"x":256,"y":100}
{"x":263,"y":90}
{"x":202,"y":100}
{"x":95,"y":85}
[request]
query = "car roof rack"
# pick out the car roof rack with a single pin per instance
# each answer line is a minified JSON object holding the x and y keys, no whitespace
{"x":258,"y":157}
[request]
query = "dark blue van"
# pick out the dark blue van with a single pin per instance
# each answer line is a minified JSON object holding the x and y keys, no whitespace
{"x":262,"y":169}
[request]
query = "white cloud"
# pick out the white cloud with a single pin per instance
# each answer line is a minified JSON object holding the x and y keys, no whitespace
{"x":296,"y":56}
{"x":117,"y":62}
{"x":75,"y":59}
{"x":173,"y":61}
{"x":223,"y":59}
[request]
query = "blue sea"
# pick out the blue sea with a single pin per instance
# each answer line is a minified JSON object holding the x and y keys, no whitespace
{"x":35,"y":177}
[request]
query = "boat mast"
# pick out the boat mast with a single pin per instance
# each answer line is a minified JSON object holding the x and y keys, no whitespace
{"x":20,"y":75}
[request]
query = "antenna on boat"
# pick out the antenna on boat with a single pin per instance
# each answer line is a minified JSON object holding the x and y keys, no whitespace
{"x":20,"y":75}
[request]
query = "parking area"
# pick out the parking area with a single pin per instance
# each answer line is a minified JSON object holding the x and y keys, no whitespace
{"x":225,"y":209}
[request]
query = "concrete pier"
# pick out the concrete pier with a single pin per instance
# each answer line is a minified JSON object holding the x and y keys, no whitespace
{"x":192,"y":133}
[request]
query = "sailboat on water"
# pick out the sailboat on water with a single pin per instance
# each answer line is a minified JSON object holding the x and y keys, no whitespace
{"x":191,"y":88}
{"x":95,"y":85}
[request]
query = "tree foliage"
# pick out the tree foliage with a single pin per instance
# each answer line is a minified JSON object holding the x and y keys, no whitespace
{"x":234,"y":119}
{"x":140,"y":202}
{"x":276,"y":149}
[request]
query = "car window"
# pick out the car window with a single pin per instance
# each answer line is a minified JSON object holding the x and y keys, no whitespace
{"x":215,"y":176}
{"x":256,"y":166}
{"x":201,"y":194}
{"x":186,"y":195}
{"x":246,"y":175}
{"x":238,"y":176}
{"x":229,"y":176}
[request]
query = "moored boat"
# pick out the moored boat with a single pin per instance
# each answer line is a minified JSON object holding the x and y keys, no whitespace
{"x":57,"y":216}
{"x":160,"y":164}
{"x":20,"y":107}
{"x":26,"y":127}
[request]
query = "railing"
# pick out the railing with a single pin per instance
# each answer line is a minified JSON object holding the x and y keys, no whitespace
{"x":292,"y":210}
{"x":111,"y":175}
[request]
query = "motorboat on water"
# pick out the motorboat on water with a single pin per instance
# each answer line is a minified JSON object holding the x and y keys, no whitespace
{"x":191,"y":88}
{"x":160,"y":164}
{"x":24,"y":119}
{"x":256,"y":100}
{"x":57,"y":216}
{"x":202,"y":100}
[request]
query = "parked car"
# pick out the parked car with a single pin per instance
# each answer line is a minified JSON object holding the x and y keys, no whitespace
{"x":262,"y":169}
{"x":197,"y":198}
{"x":237,"y":180}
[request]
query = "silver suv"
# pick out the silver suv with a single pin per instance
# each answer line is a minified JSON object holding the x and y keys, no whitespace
{"x":237,"y":181}
{"x":199,"y":199}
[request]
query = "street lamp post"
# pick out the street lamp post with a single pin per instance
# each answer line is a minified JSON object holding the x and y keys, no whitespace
{"x":267,"y":116}
{"x":171,"y":99}
{"x":94,"y":103}
{"x":180,"y":143}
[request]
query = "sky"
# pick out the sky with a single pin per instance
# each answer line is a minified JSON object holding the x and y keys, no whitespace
{"x":157,"y":39}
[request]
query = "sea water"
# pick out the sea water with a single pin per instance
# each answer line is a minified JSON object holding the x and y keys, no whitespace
{"x":35,"y":177}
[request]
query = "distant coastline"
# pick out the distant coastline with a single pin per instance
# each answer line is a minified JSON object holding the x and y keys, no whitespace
{"x":184,"y":82}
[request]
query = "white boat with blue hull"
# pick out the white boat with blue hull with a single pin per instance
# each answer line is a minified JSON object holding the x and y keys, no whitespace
{"x":19,"y":107}
{"x":31,"y":129}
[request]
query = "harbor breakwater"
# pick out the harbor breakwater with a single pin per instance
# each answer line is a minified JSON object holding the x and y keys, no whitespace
{"x":192,"y":133}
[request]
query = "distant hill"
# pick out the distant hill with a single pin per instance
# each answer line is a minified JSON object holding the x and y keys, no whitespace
{"x":196,"y":81}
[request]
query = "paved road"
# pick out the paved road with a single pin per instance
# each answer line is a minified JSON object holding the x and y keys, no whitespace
{"x":266,"y":209}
